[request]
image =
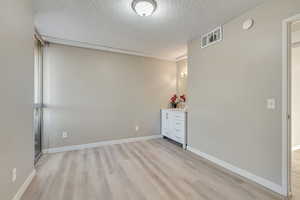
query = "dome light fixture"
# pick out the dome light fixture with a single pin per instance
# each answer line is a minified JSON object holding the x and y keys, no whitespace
{"x":144,"y":8}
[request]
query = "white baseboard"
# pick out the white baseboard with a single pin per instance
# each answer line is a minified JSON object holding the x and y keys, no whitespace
{"x":98,"y":144}
{"x":261,"y":181}
{"x":25,"y":185}
{"x":295,"y":148}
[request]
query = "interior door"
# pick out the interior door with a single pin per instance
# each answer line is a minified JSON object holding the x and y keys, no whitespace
{"x":38,"y":98}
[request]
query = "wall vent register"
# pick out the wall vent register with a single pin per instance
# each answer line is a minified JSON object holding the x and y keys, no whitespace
{"x":212,"y":37}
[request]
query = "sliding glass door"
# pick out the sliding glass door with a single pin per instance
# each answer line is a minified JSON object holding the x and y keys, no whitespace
{"x":38,"y":98}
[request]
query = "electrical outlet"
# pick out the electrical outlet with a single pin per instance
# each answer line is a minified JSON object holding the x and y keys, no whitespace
{"x":14,"y":175}
{"x":271,"y":104}
{"x":65,"y":134}
{"x":137,"y":128}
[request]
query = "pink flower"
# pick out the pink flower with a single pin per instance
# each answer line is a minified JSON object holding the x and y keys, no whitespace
{"x":183,"y":98}
{"x":174,"y":98}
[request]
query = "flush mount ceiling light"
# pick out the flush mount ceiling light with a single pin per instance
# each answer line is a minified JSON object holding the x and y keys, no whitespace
{"x":144,"y":8}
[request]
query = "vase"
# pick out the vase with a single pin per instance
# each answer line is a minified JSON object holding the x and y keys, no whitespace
{"x":174,"y":105}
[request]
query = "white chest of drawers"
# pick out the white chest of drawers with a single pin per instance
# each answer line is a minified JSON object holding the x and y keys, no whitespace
{"x":173,"y":125}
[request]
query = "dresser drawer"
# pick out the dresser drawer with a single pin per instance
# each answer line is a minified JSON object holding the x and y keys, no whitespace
{"x":178,"y":139}
{"x":179,"y":124}
{"x":179,"y":132}
{"x":179,"y":116}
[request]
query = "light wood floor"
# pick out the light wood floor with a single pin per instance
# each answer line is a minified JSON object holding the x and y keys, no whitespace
{"x":296,"y":175}
{"x":146,"y":170}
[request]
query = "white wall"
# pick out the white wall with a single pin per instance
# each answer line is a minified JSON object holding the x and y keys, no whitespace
{"x":228,"y":86}
{"x":97,"y":96}
{"x":16,"y":91}
{"x":182,"y":66}
{"x":296,"y":37}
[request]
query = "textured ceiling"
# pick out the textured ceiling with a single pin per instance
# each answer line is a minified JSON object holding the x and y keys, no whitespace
{"x":112,"y":23}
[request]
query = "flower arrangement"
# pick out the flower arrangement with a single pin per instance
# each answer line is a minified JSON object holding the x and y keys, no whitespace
{"x":175,"y":101}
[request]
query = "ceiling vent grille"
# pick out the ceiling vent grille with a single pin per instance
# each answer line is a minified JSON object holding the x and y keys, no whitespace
{"x":212,"y":37}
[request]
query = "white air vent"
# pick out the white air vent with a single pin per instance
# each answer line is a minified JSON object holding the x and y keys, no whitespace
{"x":212,"y":37}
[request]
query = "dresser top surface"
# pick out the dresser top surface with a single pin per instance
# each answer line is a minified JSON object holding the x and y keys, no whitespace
{"x":175,"y":109}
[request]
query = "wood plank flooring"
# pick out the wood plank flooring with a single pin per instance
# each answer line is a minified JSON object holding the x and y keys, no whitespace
{"x":296,"y":175}
{"x":144,"y":170}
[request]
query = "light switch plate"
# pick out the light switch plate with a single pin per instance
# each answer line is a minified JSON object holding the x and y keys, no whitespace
{"x":14,"y":175}
{"x":271,"y":104}
{"x":65,"y":134}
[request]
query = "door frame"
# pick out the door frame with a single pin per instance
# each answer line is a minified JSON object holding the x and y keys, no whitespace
{"x":38,"y":106}
{"x":286,"y":105}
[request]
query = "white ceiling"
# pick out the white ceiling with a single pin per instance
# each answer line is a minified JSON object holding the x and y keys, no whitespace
{"x":113,"y":24}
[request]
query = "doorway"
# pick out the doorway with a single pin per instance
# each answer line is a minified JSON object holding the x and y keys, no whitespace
{"x":295,"y":108}
{"x":38,"y":98}
{"x":290,"y":116}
